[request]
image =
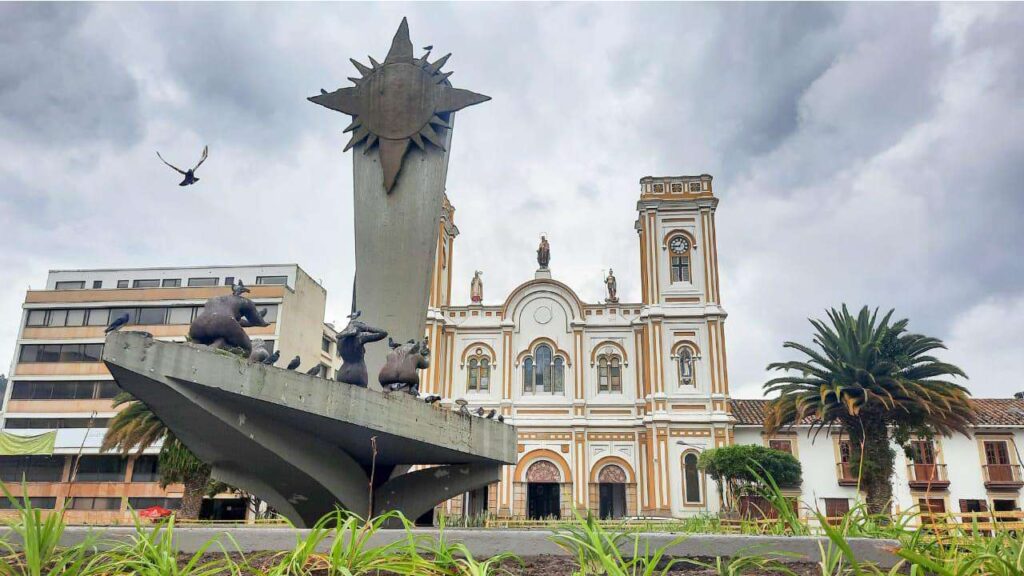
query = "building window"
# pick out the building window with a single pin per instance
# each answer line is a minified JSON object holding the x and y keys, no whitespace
{"x":61,"y":353}
{"x":84,"y":503}
{"x":37,"y":502}
{"x":609,"y":374}
{"x":781,"y":445}
{"x":97,"y":284}
{"x":997,"y":462}
{"x":170,"y":283}
{"x":31,"y":468}
{"x":272,"y":280}
{"x":478,"y":374}
{"x":325,"y":344}
{"x":229,"y":280}
{"x":685,"y":360}
{"x":143,"y":503}
{"x":543,"y":372}
{"x":202,"y":281}
{"x":679,"y":247}
{"x":153,"y":283}
{"x":122,"y":283}
{"x":691,"y":479}
{"x":152,"y":316}
{"x":63,"y":389}
{"x":181,"y":315}
{"x":70,"y":285}
{"x":836,"y":507}
{"x":54,"y":423}
{"x":101,"y":469}
{"x":36,"y":318}
{"x":75,"y":318}
{"x":146,"y":469}
{"x":98,"y":317}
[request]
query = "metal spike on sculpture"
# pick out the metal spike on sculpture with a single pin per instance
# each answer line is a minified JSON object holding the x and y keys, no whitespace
{"x":402,"y":120}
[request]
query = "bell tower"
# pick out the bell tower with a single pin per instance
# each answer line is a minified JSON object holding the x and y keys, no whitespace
{"x":681,"y":336}
{"x":440,"y":298}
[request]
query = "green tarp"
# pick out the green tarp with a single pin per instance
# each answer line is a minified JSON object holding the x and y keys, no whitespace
{"x":12,"y":444}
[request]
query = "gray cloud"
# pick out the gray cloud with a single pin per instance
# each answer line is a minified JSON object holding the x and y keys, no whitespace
{"x":57,"y":85}
{"x":863,"y":153}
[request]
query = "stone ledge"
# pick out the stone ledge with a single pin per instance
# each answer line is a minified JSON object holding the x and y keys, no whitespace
{"x":484,"y":543}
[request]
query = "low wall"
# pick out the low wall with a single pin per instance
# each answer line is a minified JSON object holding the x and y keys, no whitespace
{"x":488,"y":542}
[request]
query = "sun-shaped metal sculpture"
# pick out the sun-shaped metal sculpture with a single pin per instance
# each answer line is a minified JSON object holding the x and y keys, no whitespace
{"x":404,"y":100}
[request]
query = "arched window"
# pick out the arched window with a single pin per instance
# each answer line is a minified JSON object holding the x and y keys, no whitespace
{"x":543,"y":372}
{"x":679,"y":262}
{"x":686,"y":366}
{"x":609,"y":374}
{"x":478,"y":374}
{"x":691,"y":480}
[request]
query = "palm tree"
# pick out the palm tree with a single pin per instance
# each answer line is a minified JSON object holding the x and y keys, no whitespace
{"x":137,"y":428}
{"x":875,"y":381}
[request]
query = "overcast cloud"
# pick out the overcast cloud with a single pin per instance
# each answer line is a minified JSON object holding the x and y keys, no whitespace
{"x":863,"y":153}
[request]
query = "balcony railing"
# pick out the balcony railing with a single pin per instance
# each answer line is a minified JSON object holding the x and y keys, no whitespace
{"x":847,"y":474}
{"x":1003,"y":476}
{"x":927,"y":476}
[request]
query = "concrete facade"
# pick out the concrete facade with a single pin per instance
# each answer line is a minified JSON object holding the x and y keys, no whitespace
{"x":303,"y":444}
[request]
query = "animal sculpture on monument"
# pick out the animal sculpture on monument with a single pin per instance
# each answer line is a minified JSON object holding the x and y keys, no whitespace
{"x":401,"y":366}
{"x":351,"y":347}
{"x":220,"y":323}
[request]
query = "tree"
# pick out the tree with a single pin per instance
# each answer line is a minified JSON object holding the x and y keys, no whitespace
{"x":137,"y":428}
{"x":742,"y":466}
{"x":878,"y":383}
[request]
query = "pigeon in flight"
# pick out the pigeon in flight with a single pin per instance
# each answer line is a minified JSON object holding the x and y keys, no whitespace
{"x":295,"y":362}
{"x":314,"y":371}
{"x":117,"y":323}
{"x":273,"y":357}
{"x":190,"y":175}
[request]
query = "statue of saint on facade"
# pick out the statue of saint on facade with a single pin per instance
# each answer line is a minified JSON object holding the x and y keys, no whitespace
{"x":476,"y":288}
{"x":543,"y":253}
{"x":400,"y":368}
{"x":351,"y":342}
{"x":220,"y":324}
{"x":613,"y":287}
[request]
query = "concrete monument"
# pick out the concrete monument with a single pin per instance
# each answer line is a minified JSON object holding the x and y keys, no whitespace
{"x":402,"y":116}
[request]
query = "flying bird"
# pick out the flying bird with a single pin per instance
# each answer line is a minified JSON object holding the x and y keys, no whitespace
{"x":117,"y":323}
{"x":190,"y":174}
{"x":273,"y":358}
{"x":491,"y":414}
{"x":295,"y":362}
{"x":315,"y":370}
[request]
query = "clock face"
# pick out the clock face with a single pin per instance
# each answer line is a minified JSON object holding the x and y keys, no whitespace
{"x":679,"y":245}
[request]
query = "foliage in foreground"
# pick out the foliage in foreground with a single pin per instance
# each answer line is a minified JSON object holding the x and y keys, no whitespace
{"x":339,"y":545}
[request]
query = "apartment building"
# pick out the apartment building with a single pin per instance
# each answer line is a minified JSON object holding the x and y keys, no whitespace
{"x":980,"y":472}
{"x":57,"y":402}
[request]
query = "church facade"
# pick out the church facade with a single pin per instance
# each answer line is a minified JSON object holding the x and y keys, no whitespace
{"x":613,"y":401}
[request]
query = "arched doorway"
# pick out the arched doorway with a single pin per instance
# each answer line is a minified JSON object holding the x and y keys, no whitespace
{"x":543,"y":484}
{"x":611,"y":489}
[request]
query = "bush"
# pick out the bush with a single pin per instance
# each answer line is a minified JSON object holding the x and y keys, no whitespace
{"x":742,"y":467}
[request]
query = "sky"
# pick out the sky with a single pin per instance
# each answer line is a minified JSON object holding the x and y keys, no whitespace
{"x":868,"y":154}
